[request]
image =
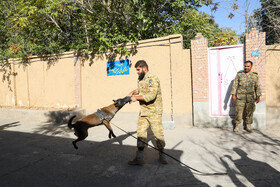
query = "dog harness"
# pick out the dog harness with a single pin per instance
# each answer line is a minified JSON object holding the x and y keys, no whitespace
{"x":103,"y":115}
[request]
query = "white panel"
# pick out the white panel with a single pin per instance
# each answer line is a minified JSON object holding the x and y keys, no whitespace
{"x":231,"y":63}
{"x":224,"y":63}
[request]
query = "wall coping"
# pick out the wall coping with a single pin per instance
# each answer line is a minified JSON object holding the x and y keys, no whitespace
{"x":74,"y":53}
{"x":164,"y":38}
{"x":271,"y":47}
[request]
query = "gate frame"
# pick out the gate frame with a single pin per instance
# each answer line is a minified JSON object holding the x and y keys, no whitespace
{"x":254,"y":41}
{"x":219,"y":70}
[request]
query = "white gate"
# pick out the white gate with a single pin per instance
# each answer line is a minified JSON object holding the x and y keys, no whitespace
{"x":224,"y":62}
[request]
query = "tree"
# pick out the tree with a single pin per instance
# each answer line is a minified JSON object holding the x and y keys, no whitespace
{"x":268,"y":20}
{"x":39,"y":27}
{"x":192,"y":22}
{"x":29,"y":31}
{"x":226,"y":36}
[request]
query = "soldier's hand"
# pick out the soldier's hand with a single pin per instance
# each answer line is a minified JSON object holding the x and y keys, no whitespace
{"x":257,"y":99}
{"x":133,"y":98}
{"x":233,"y":97}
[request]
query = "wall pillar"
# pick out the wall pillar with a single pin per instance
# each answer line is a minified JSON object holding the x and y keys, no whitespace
{"x":199,"y":54}
{"x":255,"y":50}
{"x":199,"y":65}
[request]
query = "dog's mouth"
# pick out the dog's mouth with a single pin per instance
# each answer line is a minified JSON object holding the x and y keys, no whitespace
{"x":127,"y":99}
{"x":121,"y":102}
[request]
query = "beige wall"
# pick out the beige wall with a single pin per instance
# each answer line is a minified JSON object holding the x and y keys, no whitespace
{"x":21,"y":85}
{"x":52,"y":85}
{"x":6,"y":85}
{"x":273,"y":76}
{"x":169,"y":62}
{"x":40,"y":84}
{"x":70,"y":82}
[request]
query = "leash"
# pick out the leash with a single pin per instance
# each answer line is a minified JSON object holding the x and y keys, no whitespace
{"x":199,"y":172}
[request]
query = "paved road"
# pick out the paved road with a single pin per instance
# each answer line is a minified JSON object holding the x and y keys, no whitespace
{"x":41,"y":154}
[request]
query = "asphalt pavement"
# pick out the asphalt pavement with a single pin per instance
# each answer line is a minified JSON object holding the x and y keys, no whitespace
{"x":40,"y":153}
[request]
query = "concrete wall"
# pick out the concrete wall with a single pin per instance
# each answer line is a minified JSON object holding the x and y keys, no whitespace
{"x":273,"y":76}
{"x":39,"y":84}
{"x":7,"y":96}
{"x":166,"y":59}
{"x":69,"y":81}
{"x":273,"y":87}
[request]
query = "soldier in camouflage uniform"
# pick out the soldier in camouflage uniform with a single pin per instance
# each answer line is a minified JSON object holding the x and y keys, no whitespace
{"x":248,"y":92}
{"x":149,"y":96}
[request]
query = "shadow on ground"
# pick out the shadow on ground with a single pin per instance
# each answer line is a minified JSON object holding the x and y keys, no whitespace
{"x":55,"y":122}
{"x":248,"y":158}
{"x":9,"y":125}
{"x":256,"y":172}
{"x":38,"y":160}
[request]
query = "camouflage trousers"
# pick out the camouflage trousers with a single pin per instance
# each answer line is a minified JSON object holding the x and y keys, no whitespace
{"x":155,"y":122}
{"x":249,"y":108}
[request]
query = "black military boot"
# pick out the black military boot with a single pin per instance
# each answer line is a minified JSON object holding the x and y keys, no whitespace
{"x":138,"y":160}
{"x":162,"y":157}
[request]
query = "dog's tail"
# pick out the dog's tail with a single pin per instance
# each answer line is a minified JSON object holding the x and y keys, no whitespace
{"x":70,"y":125}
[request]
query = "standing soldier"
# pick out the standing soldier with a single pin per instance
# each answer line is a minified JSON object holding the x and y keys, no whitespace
{"x":248,"y":92}
{"x":149,"y":96}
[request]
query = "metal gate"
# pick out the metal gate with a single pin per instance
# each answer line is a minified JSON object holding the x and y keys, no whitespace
{"x":224,"y":62}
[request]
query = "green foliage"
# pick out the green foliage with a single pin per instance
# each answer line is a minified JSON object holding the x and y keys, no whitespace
{"x":226,"y":36}
{"x":268,"y":20}
{"x":193,"y":22}
{"x":39,"y":27}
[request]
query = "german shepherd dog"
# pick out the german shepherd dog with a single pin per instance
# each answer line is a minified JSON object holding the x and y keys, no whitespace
{"x":102,"y":116}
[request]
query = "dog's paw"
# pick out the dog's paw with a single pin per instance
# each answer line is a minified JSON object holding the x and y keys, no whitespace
{"x":113,"y":135}
{"x":75,"y":146}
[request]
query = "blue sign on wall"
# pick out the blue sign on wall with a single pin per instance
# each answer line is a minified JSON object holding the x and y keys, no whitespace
{"x":120,"y":67}
{"x":255,"y":53}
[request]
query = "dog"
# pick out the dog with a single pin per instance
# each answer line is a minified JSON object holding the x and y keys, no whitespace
{"x":102,"y":116}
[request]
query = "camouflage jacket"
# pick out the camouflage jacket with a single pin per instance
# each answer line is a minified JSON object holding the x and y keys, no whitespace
{"x":247,"y":86}
{"x":149,"y":88}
